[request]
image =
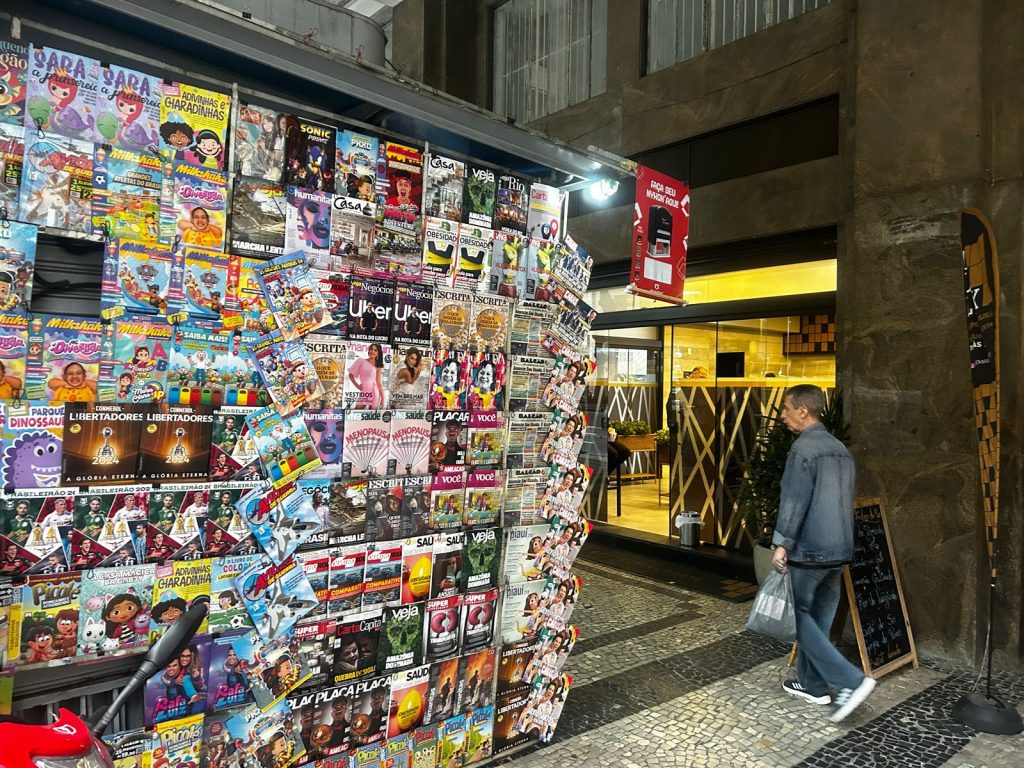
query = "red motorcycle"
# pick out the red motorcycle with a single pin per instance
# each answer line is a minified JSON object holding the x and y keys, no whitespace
{"x":74,"y":743}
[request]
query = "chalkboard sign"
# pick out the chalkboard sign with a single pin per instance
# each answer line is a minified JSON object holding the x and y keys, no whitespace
{"x":877,"y":608}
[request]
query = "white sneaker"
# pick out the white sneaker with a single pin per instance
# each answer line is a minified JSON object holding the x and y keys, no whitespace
{"x":797,"y":691}
{"x":848,"y":699}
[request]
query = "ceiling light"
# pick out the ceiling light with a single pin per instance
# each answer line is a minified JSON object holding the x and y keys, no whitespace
{"x":602,"y":189}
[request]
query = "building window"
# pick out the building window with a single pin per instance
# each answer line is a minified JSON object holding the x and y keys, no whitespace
{"x":681,"y":29}
{"x":548,"y":54}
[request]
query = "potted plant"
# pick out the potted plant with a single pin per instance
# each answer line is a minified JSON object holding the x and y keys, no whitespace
{"x":661,"y":441}
{"x":757,"y":496}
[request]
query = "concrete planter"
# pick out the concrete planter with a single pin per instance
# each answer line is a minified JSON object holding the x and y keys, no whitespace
{"x":762,"y":562}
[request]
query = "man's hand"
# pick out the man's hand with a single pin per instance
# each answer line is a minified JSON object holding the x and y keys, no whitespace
{"x":779,"y":558}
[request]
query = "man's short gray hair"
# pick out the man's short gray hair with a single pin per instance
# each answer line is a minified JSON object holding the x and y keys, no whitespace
{"x":808,"y":396}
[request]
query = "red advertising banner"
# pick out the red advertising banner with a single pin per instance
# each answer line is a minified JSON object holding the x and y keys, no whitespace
{"x":661,"y":225}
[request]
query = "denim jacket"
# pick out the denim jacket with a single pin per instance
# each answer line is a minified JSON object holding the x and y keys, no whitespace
{"x":815,"y":522}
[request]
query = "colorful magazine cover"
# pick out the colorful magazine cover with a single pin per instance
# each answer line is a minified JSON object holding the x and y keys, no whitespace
{"x":318,"y":643}
{"x":479,"y":735}
{"x":447,"y":499}
{"x":564,"y":439}
{"x":506,"y":268}
{"x":540,"y":259}
{"x":489,"y":326}
{"x":478,"y":196}
{"x":206,"y":275}
{"x":526,"y":431}
{"x":317,"y":565}
{"x":526,"y":385}
{"x":401,"y":640}
{"x":227,"y":612}
{"x":524,"y":489}
{"x":308,"y":225}
{"x":175,"y":444}
{"x":284,"y":444}
{"x":569,"y":335}
{"x":128,"y":109}
{"x":44,"y":627}
{"x":325,"y":717}
{"x":525,"y":556}
{"x":442,"y":695}
{"x":356,"y":164}
{"x":544,"y":218}
{"x":564,"y":492}
{"x":543,"y":708}
{"x":293,"y":295}
{"x":194,"y":125}
{"x":424,"y":747}
{"x":326,"y":427}
{"x":56,"y":183}
{"x":17,"y":266}
{"x":310,"y":154}
{"x":205,"y":368}
{"x":382,"y":581}
{"x":516,"y":669}
{"x":558,"y":599}
{"x":177,"y":520}
{"x":449,"y":439}
{"x":352,"y":236}
{"x":530,"y":322}
{"x":114,"y":609}
{"x":347,"y":510}
{"x":105,"y":521}
{"x":521,"y":610}
{"x":287,"y":522}
{"x":358,"y":643}
{"x":233,"y":454}
{"x":286,"y":370}
{"x":484,"y":493}
{"x":385,"y":515}
{"x":410,"y":377}
{"x":417,"y":561}
{"x":450,"y":323}
{"x":408,"y":706}
{"x":440,"y":249}
{"x":571,"y":270}
{"x":328,"y":354}
{"x":247,"y":308}
{"x":126,"y":189}
{"x":38,"y":525}
{"x":269,"y":738}
{"x":62,"y":93}
{"x":475,"y":247}
{"x":443,"y":628}
{"x":400,"y":210}
{"x":486,"y":438}
{"x":259,"y":140}
{"x":367,"y":439}
{"x":176,"y":587}
{"x":396,"y":255}
{"x":554,"y":650}
{"x":12,"y":160}
{"x":487,"y":381}
{"x":416,"y":504}
{"x":345,"y":585}
{"x":451,"y":741}
{"x":138,"y":279}
{"x":197,"y":209}
{"x":566,"y":383}
{"x":369,"y":310}
{"x":450,"y":380}
{"x":397,"y":750}
{"x":410,"y":442}
{"x":33,"y":437}
{"x":336,"y":291}
{"x":366,"y":366}
{"x":511,"y":204}
{"x":257,"y":218}
{"x":101,"y":443}
{"x":411,"y":314}
{"x":476,"y":675}
{"x":446,"y":564}
{"x":444,"y":181}
{"x":276,"y":596}
{"x":563,"y":544}
{"x":231,"y":678}
{"x":14,"y":73}
{"x":481,"y":556}
{"x":135,"y":361}
{"x":13,"y":353}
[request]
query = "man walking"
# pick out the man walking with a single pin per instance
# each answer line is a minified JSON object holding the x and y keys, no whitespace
{"x":814,"y":539}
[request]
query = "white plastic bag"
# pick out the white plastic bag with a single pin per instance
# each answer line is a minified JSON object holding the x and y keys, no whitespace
{"x":774,"y":613}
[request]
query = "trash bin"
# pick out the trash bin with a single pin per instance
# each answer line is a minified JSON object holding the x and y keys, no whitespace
{"x":689,"y":529}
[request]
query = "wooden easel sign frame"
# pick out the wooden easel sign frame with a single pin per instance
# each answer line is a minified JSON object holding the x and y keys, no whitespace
{"x":875,"y":595}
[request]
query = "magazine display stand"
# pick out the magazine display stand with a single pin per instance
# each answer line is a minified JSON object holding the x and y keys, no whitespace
{"x":334,"y":388}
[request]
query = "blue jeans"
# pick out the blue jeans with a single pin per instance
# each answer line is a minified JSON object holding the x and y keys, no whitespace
{"x":819,"y":666}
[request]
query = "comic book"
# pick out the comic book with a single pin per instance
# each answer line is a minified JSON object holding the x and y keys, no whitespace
{"x":408,"y":705}
{"x":130,"y":749}
{"x":447,"y":499}
{"x":177,"y":585}
{"x":481,"y":556}
{"x":486,"y":383}
{"x":284,"y":444}
{"x":424,"y":747}
{"x":335,"y":289}
{"x":40,"y":526}
{"x":451,"y":741}
{"x":564,"y":439}
{"x":521,"y":610}
{"x":511,"y":204}
{"x":310,"y":154}
{"x":269,"y":737}
{"x":450,"y":321}
{"x":440,"y":248}
{"x":443,"y":627}
{"x":17,"y":266}
{"x":569,"y":335}
{"x":347,"y":510}
{"x":233,"y":658}
{"x":410,"y":377}
{"x":62,"y":94}
{"x":227,"y":612}
{"x":101,"y":443}
{"x":409,"y":443}
{"x":479,"y":620}
{"x":489,"y":325}
{"x":247,"y":308}
{"x":366,"y":368}
{"x":524,"y":489}
{"x":15,"y":56}
{"x":317,"y":565}
{"x":400,"y":208}
{"x":356,"y":164}
{"x":326,"y":427}
{"x":318,"y":644}
{"x":352,"y":236}
{"x":197,"y":209}
{"x":259,"y":140}
{"x":206,"y":275}
{"x":128,"y":109}
{"x":56,"y":183}
{"x":358,"y":645}
{"x":401,"y":639}
{"x":479,"y":735}
{"x":443,"y":188}
{"x":276,"y":596}
{"x":506,"y":268}
{"x":449,"y":439}
{"x":12,"y":159}
{"x":175,"y":444}
{"x":134,"y":361}
{"x":396,"y":254}
{"x":280,"y":669}
{"x":286,"y":370}
{"x":33,"y":445}
{"x":138,"y":279}
{"x":525,"y":558}
{"x":397,"y":750}
{"x":526,"y":383}
{"x":257,"y":218}
{"x":475,"y":247}
{"x":293,"y":295}
{"x":345,"y":586}
{"x":194,"y":124}
{"x":106,"y":520}
{"x":289,"y":522}
{"x":13,"y":352}
{"x":382,"y":581}
{"x":478,"y":196}
{"x":206,"y":368}
{"x":449,"y":380}
{"x":44,"y":626}
{"x":369,"y":309}
{"x":476,"y":674}
{"x":384,"y":513}
{"x":114,"y":609}
{"x":526,"y":432}
{"x":484,"y":493}
{"x":126,"y":189}
{"x":446,"y":568}
{"x":367,"y":440}
{"x":233,"y":454}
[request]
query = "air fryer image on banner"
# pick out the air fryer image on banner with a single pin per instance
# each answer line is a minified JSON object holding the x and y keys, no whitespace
{"x":101,"y":443}
{"x":175,"y":444}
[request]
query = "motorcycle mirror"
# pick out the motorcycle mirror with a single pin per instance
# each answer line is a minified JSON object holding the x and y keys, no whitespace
{"x":179,"y":634}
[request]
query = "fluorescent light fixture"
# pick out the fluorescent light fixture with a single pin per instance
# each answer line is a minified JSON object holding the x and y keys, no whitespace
{"x":602,"y":189}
